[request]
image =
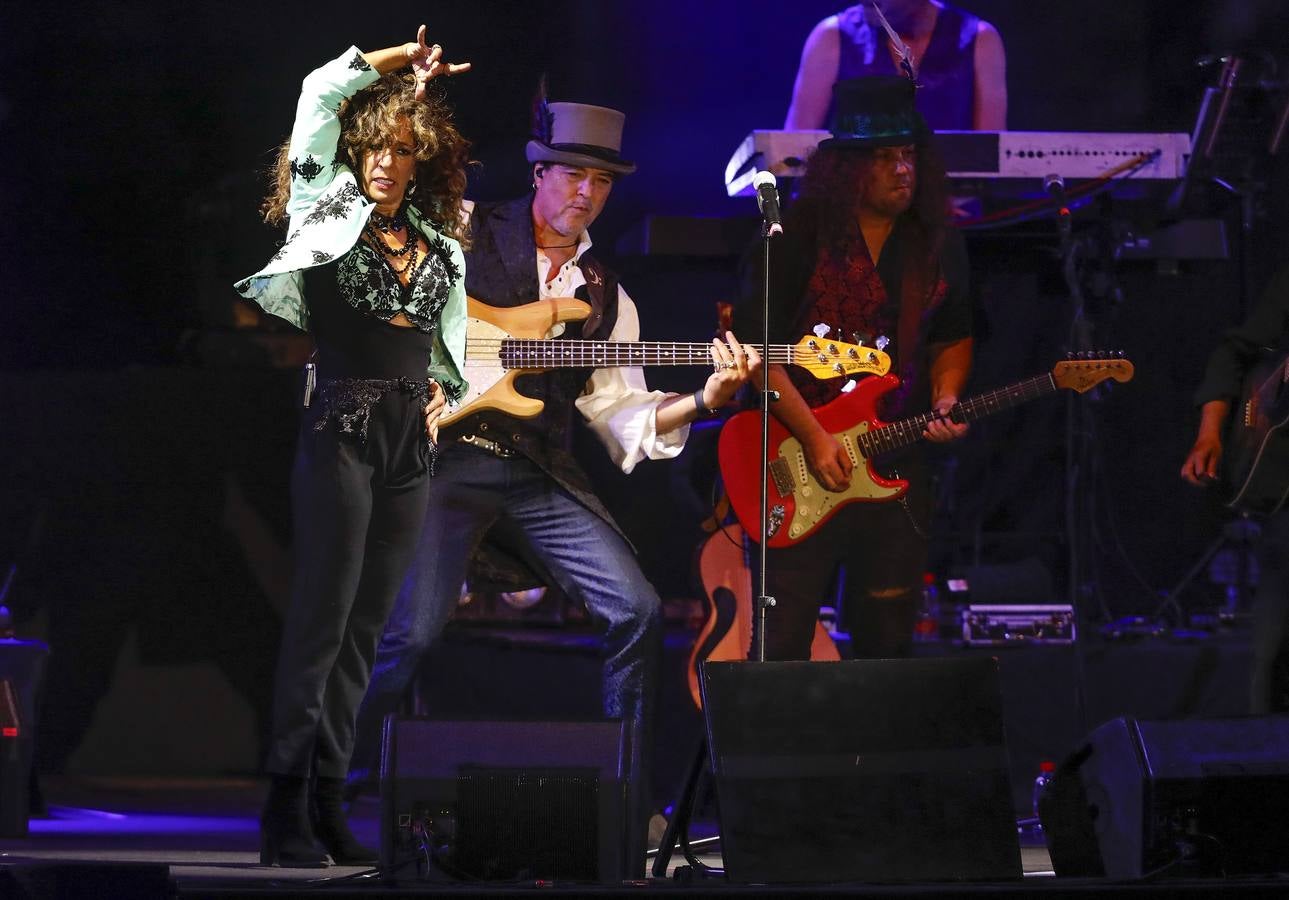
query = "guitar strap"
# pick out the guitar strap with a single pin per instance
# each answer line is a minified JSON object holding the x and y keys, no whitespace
{"x":602,"y":293}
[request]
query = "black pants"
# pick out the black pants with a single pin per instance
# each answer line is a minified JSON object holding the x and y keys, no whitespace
{"x":358,"y":507}
{"x":879,"y":551}
{"x":1270,"y":681}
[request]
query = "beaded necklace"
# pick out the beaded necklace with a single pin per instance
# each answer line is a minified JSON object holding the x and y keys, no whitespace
{"x":408,"y":250}
{"x":387,"y":224}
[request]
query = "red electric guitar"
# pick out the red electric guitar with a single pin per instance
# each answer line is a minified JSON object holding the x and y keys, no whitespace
{"x":799,"y":504}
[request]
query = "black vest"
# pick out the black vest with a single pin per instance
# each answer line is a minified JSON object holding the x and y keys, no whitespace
{"x":501,"y":270}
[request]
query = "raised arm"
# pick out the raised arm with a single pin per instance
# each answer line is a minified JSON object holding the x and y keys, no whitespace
{"x":315,"y":135}
{"x":425,"y":59}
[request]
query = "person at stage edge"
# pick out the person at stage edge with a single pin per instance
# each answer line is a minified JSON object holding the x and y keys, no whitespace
{"x":1241,"y":350}
{"x":370,"y":183}
{"x":866,"y":251}
{"x":505,"y":476}
{"x":959,"y":60}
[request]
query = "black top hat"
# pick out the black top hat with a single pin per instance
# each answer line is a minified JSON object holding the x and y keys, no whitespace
{"x":578,"y":134}
{"x":875,"y":111}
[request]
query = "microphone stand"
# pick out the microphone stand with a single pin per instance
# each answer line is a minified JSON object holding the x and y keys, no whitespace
{"x":1079,"y":448}
{"x":764,"y":601}
{"x":676,"y":835}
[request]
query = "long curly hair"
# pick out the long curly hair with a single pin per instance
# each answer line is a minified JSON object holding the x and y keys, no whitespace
{"x":834,"y":183}
{"x":371,"y":118}
{"x":832,"y":192}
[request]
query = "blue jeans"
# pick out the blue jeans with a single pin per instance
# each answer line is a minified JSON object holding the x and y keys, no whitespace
{"x":588,"y":559}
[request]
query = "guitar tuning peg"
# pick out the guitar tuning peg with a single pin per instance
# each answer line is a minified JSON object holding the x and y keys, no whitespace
{"x":821,"y":330}
{"x":859,"y":338}
{"x":882,"y":342}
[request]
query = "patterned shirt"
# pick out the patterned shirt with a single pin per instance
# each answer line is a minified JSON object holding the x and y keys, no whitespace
{"x":370,"y":285}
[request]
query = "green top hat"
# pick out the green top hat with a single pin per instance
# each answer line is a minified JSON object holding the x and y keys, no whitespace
{"x":875,"y":111}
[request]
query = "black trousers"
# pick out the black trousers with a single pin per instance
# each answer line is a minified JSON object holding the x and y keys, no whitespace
{"x":358,"y":506}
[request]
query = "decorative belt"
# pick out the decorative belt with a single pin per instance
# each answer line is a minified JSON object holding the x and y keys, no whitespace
{"x":348,"y":401}
{"x":490,"y":446}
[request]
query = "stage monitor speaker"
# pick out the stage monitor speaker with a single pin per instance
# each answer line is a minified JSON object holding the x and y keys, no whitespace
{"x":870,"y":770}
{"x":1194,"y":798}
{"x":504,"y":801}
{"x":22,"y":668}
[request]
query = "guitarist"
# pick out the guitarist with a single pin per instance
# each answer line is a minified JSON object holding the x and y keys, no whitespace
{"x":865,"y":250}
{"x":515,"y":478}
{"x":1240,"y":350}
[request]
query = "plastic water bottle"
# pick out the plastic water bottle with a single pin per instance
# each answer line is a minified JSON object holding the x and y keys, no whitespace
{"x":927,"y":627}
{"x":828,"y":618}
{"x":1046,"y":769}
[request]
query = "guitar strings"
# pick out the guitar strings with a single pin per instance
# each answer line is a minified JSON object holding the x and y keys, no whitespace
{"x":638,"y":352}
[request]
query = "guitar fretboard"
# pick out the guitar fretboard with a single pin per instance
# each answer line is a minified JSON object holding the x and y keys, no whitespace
{"x":536,"y":353}
{"x":898,"y":435}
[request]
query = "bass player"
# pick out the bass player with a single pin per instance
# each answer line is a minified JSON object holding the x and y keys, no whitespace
{"x":514,"y":479}
{"x":866,"y":250}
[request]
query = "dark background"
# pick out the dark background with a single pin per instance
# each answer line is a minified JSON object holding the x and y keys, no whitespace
{"x":140,"y":434}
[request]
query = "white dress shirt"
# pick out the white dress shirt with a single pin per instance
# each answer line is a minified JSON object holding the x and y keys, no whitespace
{"x":616,"y":403}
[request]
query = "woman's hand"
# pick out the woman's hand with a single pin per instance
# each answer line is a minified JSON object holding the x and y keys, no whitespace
{"x":735,"y":364}
{"x":427,"y":63}
{"x":433,"y":410}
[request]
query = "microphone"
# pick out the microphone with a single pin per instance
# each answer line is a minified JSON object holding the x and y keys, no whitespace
{"x":1054,"y":185}
{"x":767,"y":198}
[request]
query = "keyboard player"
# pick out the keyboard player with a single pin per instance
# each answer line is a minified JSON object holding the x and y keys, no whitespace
{"x":956,"y":58}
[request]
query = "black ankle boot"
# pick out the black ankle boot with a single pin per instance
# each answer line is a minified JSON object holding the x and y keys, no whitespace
{"x":331,"y":828}
{"x":285,"y":836}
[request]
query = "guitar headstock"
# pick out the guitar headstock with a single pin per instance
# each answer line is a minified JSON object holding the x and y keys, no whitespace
{"x":826,"y":359}
{"x":1085,"y":370}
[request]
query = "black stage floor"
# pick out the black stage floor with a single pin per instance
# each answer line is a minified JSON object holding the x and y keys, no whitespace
{"x":145,"y":838}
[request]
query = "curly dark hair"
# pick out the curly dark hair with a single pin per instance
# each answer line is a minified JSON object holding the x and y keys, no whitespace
{"x":832,"y":192}
{"x":835,"y":179}
{"x":371,"y":118}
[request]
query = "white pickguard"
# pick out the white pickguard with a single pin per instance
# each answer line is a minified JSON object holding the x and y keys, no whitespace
{"x":813,"y":500}
{"x":489,"y":381}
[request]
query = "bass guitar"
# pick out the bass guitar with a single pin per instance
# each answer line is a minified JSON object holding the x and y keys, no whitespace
{"x":1256,"y":457}
{"x":503,"y":343}
{"x":799,"y":503}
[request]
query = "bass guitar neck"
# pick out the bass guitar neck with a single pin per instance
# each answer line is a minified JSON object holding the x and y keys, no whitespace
{"x":504,"y":343}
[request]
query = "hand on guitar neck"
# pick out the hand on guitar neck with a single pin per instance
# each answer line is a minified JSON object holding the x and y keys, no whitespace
{"x":824,"y":452}
{"x":503,"y":343}
{"x":800,"y":502}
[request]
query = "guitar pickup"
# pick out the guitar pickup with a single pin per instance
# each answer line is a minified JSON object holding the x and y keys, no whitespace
{"x":781,"y":474}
